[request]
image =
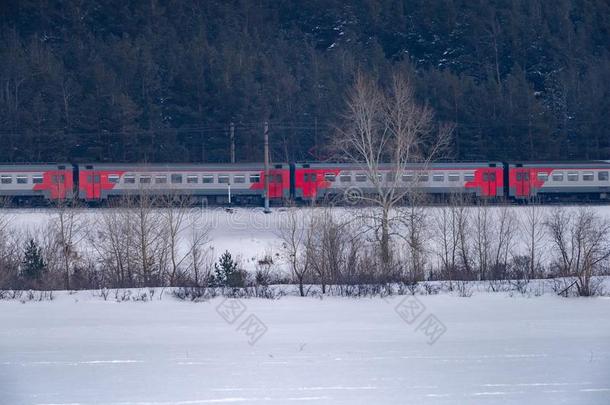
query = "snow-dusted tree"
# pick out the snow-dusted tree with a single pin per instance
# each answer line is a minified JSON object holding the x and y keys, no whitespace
{"x":384,"y":131}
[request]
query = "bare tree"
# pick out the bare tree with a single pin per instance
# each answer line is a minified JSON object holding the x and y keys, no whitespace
{"x":533,"y":230}
{"x":482,"y":236}
{"x":175,"y":218}
{"x":10,"y":246}
{"x":200,"y":261}
{"x":581,"y":241}
{"x":113,"y":240}
{"x":69,"y":226}
{"x":415,"y":220}
{"x":328,"y":249}
{"x":504,"y":241}
{"x":295,"y":232}
{"x":385,"y":132}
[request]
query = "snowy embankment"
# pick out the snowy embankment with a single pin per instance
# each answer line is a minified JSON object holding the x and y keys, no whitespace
{"x":80,"y":349}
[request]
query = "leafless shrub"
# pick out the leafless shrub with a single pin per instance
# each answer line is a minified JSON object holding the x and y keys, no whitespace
{"x":581,"y":243}
{"x":463,"y":288}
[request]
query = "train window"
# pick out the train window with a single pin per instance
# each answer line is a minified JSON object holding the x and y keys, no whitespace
{"x":192,"y":179}
{"x":256,"y":178}
{"x":239,"y":178}
{"x":145,"y":179}
{"x":468,"y":176}
{"x":278,"y":178}
{"x":602,"y":176}
{"x":22,"y":179}
{"x":521,"y":176}
{"x":113,"y":178}
{"x":454,"y":177}
{"x":207,"y":178}
{"x":161,"y":179}
{"x":129,"y":179}
{"x":176,"y":178}
{"x":422,"y":178}
{"x":90,"y":179}
{"x":223,"y":178}
{"x":59,"y":179}
{"x":305,"y":177}
{"x":390,"y":177}
{"x":314,"y":177}
{"x":345,"y":178}
{"x":360,"y":177}
{"x":557,"y":176}
{"x":329,"y":177}
{"x":438,"y":177}
{"x":572,"y":176}
{"x":37,"y":179}
{"x":6,"y":179}
{"x":542,"y":176}
{"x":407,"y":177}
{"x":588,"y":176}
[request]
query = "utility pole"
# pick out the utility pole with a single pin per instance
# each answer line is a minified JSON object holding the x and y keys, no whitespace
{"x":266,"y":136}
{"x":201,"y":139}
{"x":232,"y":136}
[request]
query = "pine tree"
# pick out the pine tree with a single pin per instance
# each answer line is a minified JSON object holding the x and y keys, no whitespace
{"x":227,"y":273}
{"x":33,"y":262}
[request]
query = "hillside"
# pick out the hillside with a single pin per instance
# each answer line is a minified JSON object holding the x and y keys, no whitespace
{"x":161,"y":80}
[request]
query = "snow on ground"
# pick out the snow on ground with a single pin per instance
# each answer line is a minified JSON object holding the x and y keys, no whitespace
{"x":495,"y":349}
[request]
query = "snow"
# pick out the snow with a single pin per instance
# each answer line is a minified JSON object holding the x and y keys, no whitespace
{"x":80,"y":349}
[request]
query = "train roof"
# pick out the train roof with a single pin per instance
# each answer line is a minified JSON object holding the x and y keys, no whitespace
{"x":440,"y":165}
{"x":35,"y":166}
{"x":180,"y":166}
{"x":566,"y":164}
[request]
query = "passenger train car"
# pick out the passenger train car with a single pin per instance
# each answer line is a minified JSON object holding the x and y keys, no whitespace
{"x":212,"y":183}
{"x":314,"y":181}
{"x":559,"y":181}
{"x":243,"y":183}
{"x":27,"y":183}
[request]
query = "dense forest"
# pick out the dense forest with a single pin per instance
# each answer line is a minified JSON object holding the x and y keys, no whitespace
{"x":157,"y":80}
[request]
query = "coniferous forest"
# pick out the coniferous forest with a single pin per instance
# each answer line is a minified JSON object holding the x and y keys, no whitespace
{"x":159,"y":81}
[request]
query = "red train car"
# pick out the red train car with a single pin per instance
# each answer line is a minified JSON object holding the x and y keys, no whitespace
{"x":214,"y":183}
{"x":314,"y":181}
{"x":31,"y":182}
{"x":559,"y":180}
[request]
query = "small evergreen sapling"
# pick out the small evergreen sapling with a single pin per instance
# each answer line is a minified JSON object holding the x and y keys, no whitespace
{"x":226,"y":272}
{"x":33,"y":262}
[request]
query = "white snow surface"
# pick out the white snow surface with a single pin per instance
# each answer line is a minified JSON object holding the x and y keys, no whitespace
{"x":497,"y":349}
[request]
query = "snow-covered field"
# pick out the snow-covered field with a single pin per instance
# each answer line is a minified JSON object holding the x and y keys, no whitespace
{"x":495,"y":349}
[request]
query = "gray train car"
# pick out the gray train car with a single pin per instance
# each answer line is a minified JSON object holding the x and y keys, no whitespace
{"x":37,"y":182}
{"x":314,"y":181}
{"x":214,"y":183}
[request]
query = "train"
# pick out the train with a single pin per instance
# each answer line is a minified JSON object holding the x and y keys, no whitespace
{"x":303,"y":182}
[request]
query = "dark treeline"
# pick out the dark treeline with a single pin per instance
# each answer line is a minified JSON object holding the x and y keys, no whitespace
{"x":161,"y":80}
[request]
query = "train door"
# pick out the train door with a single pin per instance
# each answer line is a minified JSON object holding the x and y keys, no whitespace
{"x":522,"y":183}
{"x":277,"y":178}
{"x":96,"y":184}
{"x":490,"y":182}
